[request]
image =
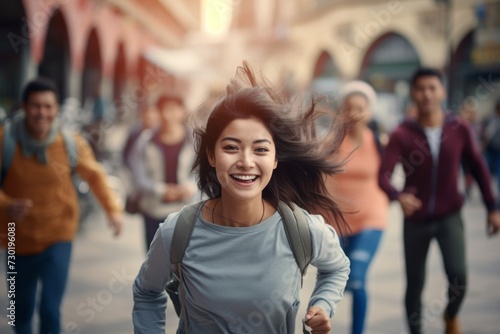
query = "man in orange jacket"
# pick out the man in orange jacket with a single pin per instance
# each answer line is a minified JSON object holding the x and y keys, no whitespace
{"x":39,"y":206}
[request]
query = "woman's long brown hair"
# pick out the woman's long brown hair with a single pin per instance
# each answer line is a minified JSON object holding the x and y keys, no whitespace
{"x":304,"y":156}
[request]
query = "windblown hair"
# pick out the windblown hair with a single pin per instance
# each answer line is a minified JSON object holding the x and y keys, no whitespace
{"x":304,"y":158}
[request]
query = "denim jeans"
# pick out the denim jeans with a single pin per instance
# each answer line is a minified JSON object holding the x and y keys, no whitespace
{"x":360,"y":248}
{"x":50,"y":268}
{"x":493,"y":160}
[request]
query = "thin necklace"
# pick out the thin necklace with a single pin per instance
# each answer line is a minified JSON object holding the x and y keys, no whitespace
{"x":212,"y":211}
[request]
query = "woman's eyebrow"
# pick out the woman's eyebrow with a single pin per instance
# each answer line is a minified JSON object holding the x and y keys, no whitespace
{"x":258,"y":141}
{"x":231,"y":139}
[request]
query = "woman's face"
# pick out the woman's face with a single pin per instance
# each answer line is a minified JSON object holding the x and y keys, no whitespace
{"x":244,"y":158}
{"x":357,"y":105}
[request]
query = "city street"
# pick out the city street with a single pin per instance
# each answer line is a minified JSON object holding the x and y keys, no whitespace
{"x":137,"y":79}
{"x":99,"y":297}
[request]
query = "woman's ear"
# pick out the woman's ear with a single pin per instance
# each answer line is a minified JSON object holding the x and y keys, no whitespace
{"x":211,"y":158}
{"x":275,"y":163}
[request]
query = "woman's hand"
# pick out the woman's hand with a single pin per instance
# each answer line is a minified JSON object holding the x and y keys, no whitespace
{"x":318,"y":320}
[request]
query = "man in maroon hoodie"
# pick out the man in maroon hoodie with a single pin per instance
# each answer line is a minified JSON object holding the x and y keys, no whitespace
{"x":430,"y":149}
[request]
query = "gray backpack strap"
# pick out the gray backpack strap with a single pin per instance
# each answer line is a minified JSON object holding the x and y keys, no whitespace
{"x":8,"y":149}
{"x":182,"y":232}
{"x":70,"y":143}
{"x":299,"y":237}
{"x":298,"y":234}
{"x":180,"y":240}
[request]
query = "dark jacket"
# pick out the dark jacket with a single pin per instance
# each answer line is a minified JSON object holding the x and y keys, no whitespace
{"x":436,"y":185}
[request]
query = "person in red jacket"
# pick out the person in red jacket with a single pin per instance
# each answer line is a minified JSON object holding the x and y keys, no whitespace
{"x":430,"y":149}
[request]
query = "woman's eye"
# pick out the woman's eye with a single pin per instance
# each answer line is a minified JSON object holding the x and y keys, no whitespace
{"x":230,"y":147}
{"x":262,"y":150}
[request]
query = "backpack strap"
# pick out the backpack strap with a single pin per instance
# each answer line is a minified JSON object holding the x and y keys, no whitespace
{"x":180,"y":240}
{"x":183,"y":231}
{"x":299,"y":238}
{"x":298,"y":234}
{"x":8,"y":149}
{"x":71,"y":149}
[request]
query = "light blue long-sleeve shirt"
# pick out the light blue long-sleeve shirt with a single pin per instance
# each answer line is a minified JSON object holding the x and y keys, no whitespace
{"x":238,"y":279}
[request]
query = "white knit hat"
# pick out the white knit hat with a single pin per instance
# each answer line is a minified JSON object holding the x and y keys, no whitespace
{"x":358,"y":86}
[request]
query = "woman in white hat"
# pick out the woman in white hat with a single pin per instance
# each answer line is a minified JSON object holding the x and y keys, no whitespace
{"x":364,"y":204}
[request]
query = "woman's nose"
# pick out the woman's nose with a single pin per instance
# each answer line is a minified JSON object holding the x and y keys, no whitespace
{"x":245,"y":160}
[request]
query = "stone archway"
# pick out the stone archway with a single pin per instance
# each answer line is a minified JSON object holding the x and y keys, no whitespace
{"x":92,"y":76}
{"x":120,"y":73}
{"x":389,"y":59}
{"x":325,"y":76}
{"x":14,"y":53}
{"x":56,"y":60}
{"x":387,"y":66}
{"x":461,"y":70}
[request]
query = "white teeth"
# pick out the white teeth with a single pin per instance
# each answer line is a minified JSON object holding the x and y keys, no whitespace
{"x":245,"y":177}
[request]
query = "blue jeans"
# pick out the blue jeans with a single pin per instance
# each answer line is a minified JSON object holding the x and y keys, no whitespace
{"x":360,"y":249}
{"x":493,"y":160}
{"x":51,"y":269}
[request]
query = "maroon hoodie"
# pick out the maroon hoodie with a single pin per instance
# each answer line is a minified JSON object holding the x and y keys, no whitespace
{"x":435,"y":184}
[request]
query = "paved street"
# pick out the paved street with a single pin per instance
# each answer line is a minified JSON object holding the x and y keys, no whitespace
{"x":99,"y":298}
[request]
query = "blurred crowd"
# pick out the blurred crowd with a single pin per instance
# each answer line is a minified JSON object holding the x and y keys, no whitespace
{"x":437,"y":148}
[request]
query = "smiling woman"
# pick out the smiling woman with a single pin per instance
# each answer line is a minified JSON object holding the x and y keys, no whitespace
{"x":244,"y":157}
{"x":239,"y":274}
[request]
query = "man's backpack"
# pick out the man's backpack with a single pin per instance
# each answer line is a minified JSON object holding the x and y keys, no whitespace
{"x":297,"y":232}
{"x":9,"y":147}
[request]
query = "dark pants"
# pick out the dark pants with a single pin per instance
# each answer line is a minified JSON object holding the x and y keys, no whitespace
{"x":449,"y":233}
{"x":51,"y":269}
{"x":150,"y":227}
{"x":493,"y":160}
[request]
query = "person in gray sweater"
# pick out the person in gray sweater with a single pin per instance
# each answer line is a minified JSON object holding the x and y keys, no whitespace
{"x":239,"y":272}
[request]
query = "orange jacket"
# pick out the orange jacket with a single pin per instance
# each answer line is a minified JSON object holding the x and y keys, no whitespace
{"x":54,"y":215}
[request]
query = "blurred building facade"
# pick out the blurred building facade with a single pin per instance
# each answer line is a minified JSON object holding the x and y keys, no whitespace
{"x":383,"y":42}
{"x":92,"y":48}
{"x":318,"y":44}
{"x":127,"y":49}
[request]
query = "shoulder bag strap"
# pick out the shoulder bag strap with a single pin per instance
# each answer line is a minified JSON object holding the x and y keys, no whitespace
{"x":180,"y":240}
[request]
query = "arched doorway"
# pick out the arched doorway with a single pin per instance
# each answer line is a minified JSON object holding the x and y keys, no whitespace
{"x":14,"y":53}
{"x":462,"y":71}
{"x":120,"y":74}
{"x":325,"y":67}
{"x":325,"y":76}
{"x":475,"y":65}
{"x":387,"y":66}
{"x":56,"y":60}
{"x":91,"y":94}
